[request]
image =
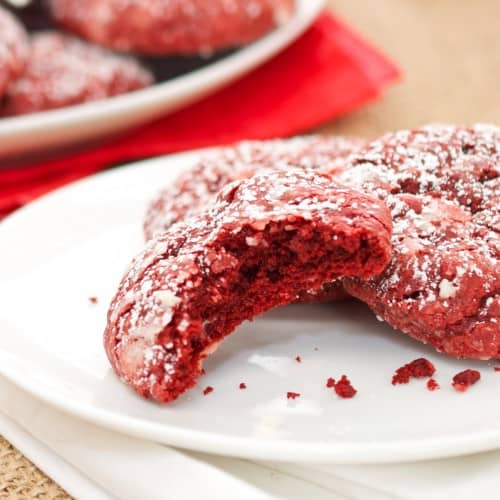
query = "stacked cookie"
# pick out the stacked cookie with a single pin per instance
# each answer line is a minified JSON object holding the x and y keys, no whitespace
{"x":54,"y":68}
{"x":14,"y":49}
{"x":166,"y":27}
{"x":413,"y":229}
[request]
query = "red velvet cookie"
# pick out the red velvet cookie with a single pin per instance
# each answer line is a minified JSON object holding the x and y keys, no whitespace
{"x":258,"y":246}
{"x":198,"y":186}
{"x":13,"y":49}
{"x":195,"y":188}
{"x":442,"y":185}
{"x":63,"y":71}
{"x":171,"y":26}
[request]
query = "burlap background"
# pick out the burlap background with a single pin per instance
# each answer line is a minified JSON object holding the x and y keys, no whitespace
{"x":450,"y":54}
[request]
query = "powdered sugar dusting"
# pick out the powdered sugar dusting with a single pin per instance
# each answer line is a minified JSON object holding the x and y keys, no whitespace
{"x":64,"y":70}
{"x":442,"y":185}
{"x":194,"y":189}
{"x":172,"y":26}
{"x":13,"y":49}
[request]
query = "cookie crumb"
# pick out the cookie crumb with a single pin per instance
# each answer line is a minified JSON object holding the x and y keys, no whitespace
{"x":243,"y":385}
{"x":292,"y":395}
{"x":344,"y":388}
{"x":208,"y":390}
{"x":432,"y":385}
{"x":330,"y":382}
{"x":463,"y":380}
{"x":298,"y":359}
{"x":418,"y":368}
{"x":93,"y":300}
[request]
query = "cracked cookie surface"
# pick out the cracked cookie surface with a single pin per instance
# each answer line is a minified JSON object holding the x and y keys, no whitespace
{"x":442,"y":186}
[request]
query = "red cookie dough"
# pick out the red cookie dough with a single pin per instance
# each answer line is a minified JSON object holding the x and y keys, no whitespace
{"x":171,"y":26}
{"x":63,"y":71}
{"x":14,"y":49}
{"x":263,"y":241}
{"x":442,"y":185}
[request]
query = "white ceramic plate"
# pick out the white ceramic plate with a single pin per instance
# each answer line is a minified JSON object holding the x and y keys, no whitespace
{"x":76,"y":242}
{"x":89,"y":121}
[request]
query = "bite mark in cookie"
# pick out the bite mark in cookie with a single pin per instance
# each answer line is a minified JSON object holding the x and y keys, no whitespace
{"x":260,"y":244}
{"x":195,"y":188}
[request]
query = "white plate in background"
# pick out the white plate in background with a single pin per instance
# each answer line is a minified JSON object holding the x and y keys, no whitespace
{"x":76,"y":242}
{"x":93,"y":120}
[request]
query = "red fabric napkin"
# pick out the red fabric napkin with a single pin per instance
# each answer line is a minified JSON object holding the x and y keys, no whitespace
{"x":329,"y":71}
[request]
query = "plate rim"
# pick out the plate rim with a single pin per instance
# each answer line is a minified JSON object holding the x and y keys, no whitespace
{"x":285,"y":450}
{"x":160,"y":99}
